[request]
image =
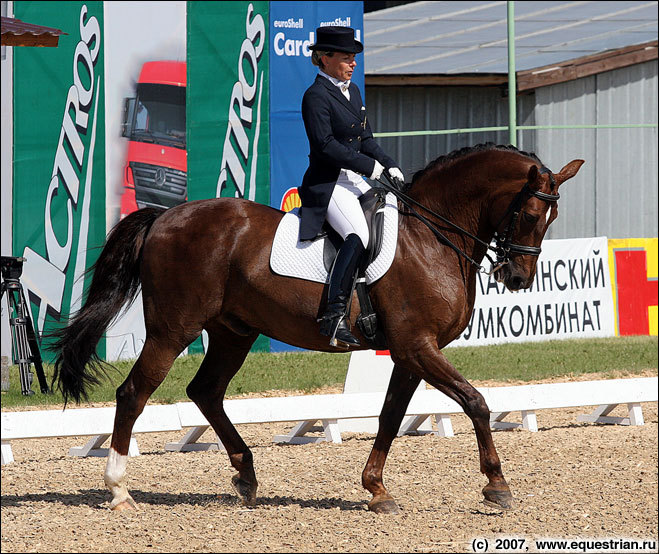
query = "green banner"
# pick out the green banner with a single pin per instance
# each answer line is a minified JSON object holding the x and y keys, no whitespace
{"x":228,"y":105}
{"x":59,"y":157}
{"x":228,"y":100}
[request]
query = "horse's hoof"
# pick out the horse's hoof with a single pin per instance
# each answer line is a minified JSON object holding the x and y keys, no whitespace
{"x":498,"y":498}
{"x":384,"y":505}
{"x":245,"y":490}
{"x":124,"y":505}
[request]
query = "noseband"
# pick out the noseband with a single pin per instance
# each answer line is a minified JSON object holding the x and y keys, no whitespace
{"x":504,"y":247}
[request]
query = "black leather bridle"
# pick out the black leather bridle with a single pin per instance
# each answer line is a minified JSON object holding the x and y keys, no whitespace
{"x":504,"y":248}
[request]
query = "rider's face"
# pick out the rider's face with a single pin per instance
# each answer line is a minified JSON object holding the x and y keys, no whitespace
{"x":340,"y":65}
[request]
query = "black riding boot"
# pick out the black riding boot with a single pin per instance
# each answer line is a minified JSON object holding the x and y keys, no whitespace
{"x":344,"y":271}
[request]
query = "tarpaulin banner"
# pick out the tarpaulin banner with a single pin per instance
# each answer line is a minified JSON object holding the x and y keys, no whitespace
{"x":570,"y":298}
{"x":228,"y":105}
{"x":145,"y":60}
{"x":59,"y":158}
{"x":228,"y":101}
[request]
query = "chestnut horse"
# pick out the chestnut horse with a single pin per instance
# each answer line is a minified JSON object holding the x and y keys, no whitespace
{"x":205,"y":265}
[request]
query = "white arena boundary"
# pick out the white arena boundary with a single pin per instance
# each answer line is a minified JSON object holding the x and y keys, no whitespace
{"x":329,"y":409}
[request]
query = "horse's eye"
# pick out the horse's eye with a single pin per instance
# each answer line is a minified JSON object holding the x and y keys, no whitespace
{"x":529,"y":218}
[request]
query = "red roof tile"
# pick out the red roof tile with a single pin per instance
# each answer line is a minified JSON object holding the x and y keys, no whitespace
{"x":18,"y":33}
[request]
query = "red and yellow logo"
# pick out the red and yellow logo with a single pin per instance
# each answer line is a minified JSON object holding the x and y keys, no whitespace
{"x":633,"y":267}
{"x":290,"y":200}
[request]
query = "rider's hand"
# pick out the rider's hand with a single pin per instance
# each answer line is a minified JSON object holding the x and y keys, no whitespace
{"x":378,"y":168}
{"x":397,"y":178}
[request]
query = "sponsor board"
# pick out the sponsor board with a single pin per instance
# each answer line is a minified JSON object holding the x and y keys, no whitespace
{"x":59,"y":162}
{"x":228,"y":100}
{"x":292,"y":30}
{"x":570,"y":298}
{"x":228,"y":105}
{"x":633,"y":270}
{"x":144,"y":41}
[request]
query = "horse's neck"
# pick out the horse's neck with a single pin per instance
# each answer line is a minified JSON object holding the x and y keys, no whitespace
{"x":460,"y":201}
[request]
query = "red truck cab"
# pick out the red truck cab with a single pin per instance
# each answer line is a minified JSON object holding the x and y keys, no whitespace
{"x":155,"y":173}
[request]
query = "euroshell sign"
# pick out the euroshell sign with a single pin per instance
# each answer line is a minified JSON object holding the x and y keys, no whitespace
{"x":284,"y":45}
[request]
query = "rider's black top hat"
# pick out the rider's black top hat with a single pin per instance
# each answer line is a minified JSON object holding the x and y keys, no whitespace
{"x":337,"y":39}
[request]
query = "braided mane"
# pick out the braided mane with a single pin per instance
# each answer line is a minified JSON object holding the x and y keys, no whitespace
{"x":448,"y":159}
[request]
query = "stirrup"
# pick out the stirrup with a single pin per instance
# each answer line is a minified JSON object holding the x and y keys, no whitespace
{"x":339,"y":343}
{"x":336,"y":328}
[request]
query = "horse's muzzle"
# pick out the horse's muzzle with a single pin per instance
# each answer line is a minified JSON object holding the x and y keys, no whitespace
{"x":511,"y":277}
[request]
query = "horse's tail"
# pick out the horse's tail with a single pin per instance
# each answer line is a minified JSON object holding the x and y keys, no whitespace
{"x":115,"y":282}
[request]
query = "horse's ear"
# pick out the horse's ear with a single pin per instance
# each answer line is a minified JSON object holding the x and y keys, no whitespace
{"x":532,"y":176}
{"x":569,"y":171}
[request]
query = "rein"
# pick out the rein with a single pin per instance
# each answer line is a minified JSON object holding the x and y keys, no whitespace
{"x":504,"y":247}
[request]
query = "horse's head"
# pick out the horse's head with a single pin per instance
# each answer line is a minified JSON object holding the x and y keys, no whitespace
{"x":521,"y":223}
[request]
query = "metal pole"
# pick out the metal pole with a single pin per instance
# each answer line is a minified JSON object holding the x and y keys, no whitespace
{"x":512,"y":80}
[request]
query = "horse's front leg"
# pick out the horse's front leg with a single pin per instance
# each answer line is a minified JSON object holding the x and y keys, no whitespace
{"x":439,"y":372}
{"x":401,"y":388}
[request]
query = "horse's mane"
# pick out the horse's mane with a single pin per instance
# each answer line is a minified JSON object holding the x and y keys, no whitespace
{"x":447,"y":159}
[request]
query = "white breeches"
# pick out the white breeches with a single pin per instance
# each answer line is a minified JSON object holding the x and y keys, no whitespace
{"x":344,"y":212}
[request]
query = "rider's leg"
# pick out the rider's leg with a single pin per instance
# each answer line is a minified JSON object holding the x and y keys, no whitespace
{"x":346,"y":217}
{"x":344,"y":212}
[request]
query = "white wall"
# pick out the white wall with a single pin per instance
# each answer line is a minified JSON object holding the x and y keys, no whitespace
{"x":135,"y":32}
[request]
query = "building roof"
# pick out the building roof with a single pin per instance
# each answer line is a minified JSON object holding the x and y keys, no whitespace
{"x":467,"y":41}
{"x":18,"y":33}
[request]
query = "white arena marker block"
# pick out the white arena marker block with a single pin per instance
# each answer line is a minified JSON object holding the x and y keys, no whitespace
{"x":497,"y":421}
{"x":297,"y":434}
{"x":529,"y":421}
{"x":91,"y":447}
{"x":370,"y":371}
{"x":188,"y":443}
{"x":332,"y":432}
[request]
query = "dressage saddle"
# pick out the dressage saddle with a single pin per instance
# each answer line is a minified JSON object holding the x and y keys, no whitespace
{"x":373,"y":203}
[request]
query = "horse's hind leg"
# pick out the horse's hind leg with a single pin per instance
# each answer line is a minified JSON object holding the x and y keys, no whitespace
{"x":226,"y":353}
{"x":148,"y":372}
{"x":401,"y":388}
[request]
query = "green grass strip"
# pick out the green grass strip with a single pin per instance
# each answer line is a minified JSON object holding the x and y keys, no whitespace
{"x":306,"y":371}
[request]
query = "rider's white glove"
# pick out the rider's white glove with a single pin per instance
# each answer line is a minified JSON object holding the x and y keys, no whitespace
{"x":378,"y":168}
{"x":396,"y":173}
{"x":397,"y":178}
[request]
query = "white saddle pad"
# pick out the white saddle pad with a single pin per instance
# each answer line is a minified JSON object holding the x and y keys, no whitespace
{"x":304,"y":260}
